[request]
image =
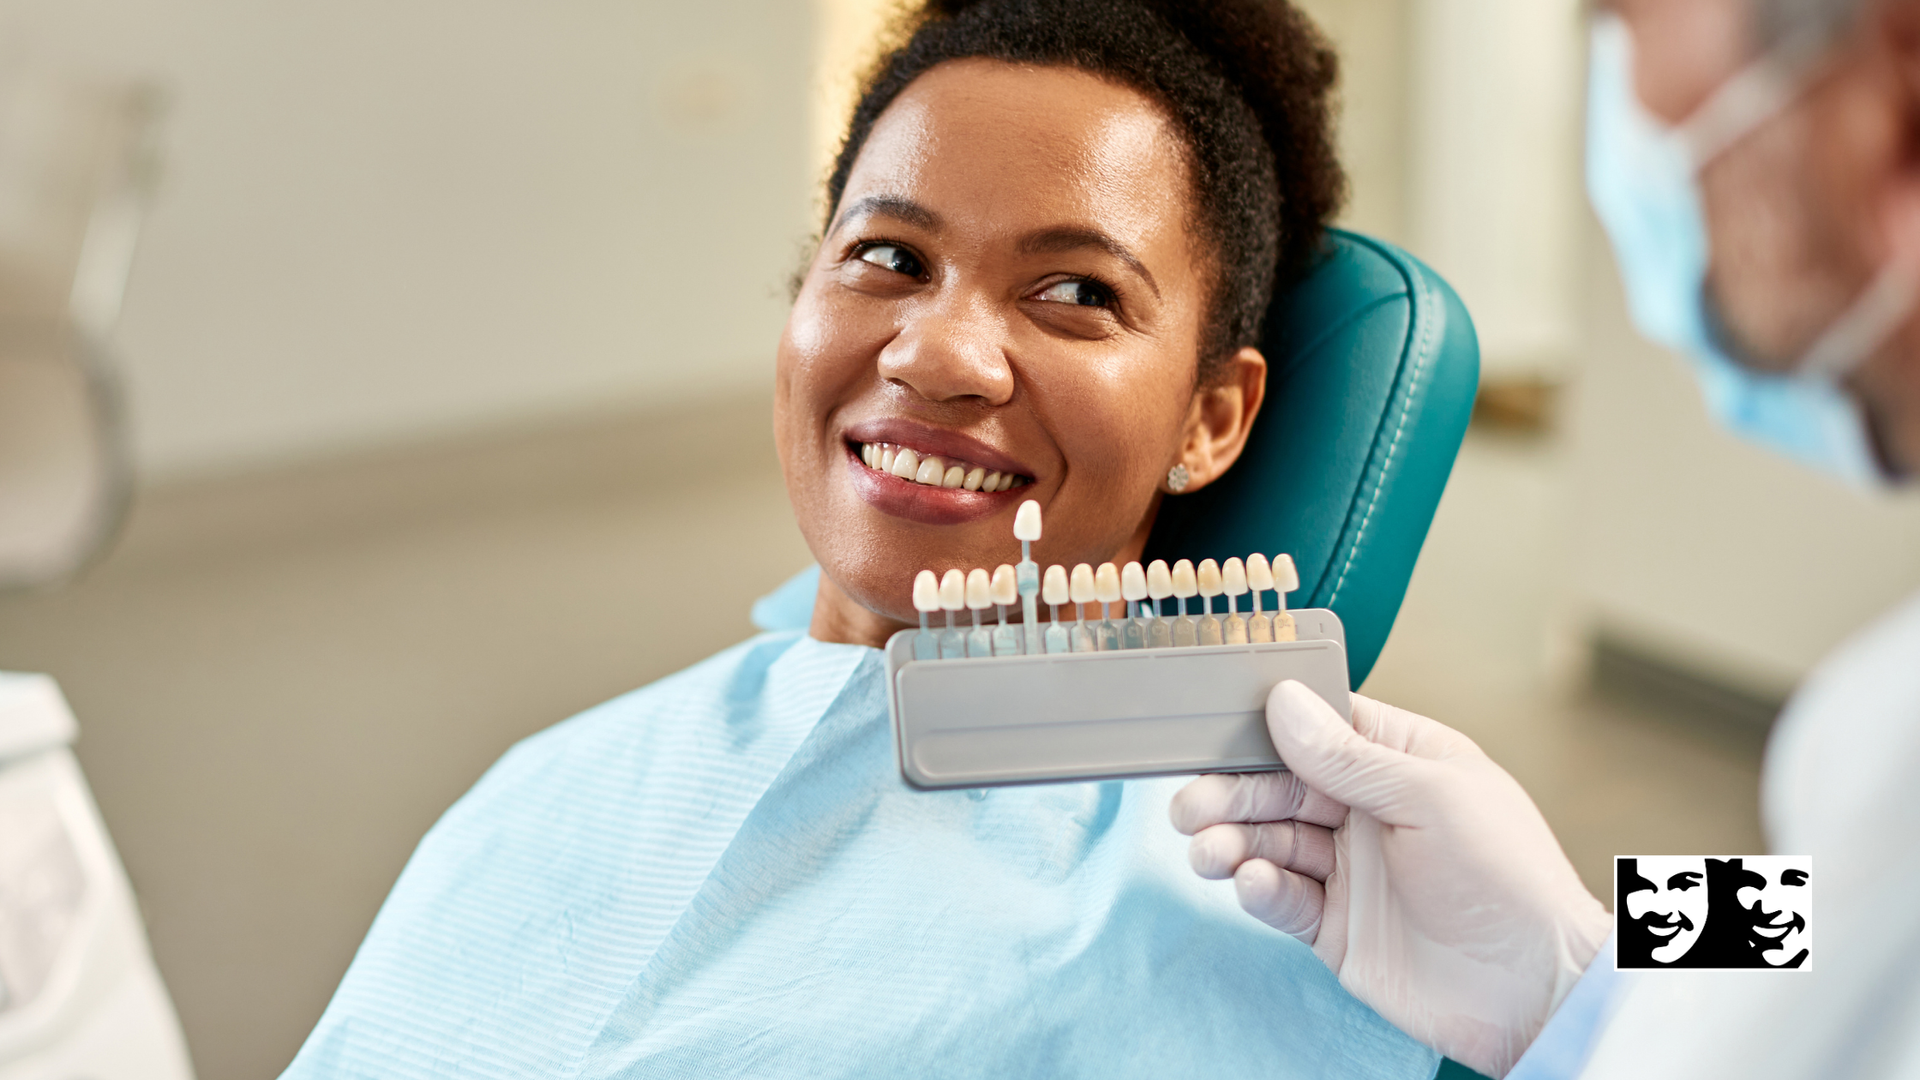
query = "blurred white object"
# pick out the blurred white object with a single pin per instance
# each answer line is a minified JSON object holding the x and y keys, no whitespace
{"x":76,"y":163}
{"x":79,"y":995}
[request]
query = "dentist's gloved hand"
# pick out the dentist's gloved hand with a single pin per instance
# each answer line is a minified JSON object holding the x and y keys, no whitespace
{"x":1418,"y":870}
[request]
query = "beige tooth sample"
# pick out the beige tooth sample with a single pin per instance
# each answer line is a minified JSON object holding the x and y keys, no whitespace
{"x":1081,"y":591}
{"x":974,"y":479}
{"x":1259,"y":579}
{"x":1159,"y":587}
{"x":1185,"y":587}
{"x":954,"y":478}
{"x":1285,"y":580}
{"x":1207,"y":575}
{"x":905,"y":464}
{"x":1106,"y":589}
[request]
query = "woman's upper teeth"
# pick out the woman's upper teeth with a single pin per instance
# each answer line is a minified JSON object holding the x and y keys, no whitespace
{"x":909,"y":464}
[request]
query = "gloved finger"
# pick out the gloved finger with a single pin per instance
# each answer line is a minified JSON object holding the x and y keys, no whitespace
{"x":1305,"y":849}
{"x":1319,"y":746}
{"x":1280,"y":796}
{"x":1408,"y":732}
{"x":1290,"y":903}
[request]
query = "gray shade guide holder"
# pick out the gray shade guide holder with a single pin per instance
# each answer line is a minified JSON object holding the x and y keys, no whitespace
{"x":992,"y":721}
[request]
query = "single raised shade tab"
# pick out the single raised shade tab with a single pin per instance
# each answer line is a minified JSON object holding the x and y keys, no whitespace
{"x":1053,"y":587}
{"x":1133,"y":582}
{"x":926,"y":591}
{"x":953,"y":591}
{"x":1026,"y":521}
{"x":1208,"y":578}
{"x":1004,"y":585}
{"x":1081,"y":584}
{"x":1285,"y":577}
{"x":1233,"y":578}
{"x":1259,"y":574}
{"x":979,"y":589}
{"x":1184,"y":584}
{"x":1159,"y":580}
{"x":1106,"y":584}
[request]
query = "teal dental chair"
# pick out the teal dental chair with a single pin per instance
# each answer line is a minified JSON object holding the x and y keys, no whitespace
{"x":1372,"y":367}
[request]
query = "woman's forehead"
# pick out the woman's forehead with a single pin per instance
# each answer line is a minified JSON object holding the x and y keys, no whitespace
{"x":1004,"y":147}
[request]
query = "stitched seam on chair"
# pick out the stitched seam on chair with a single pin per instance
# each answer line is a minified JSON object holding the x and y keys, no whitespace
{"x":1421,"y":355}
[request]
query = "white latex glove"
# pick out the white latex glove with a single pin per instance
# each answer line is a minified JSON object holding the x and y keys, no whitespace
{"x":1441,"y":898}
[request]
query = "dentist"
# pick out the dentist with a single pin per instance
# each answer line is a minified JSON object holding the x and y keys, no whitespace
{"x":1756,"y":164}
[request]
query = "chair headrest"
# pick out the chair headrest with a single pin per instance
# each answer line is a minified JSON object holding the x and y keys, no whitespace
{"x":1372,"y":370}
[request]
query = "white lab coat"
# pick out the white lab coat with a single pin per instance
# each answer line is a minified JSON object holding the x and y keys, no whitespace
{"x":1841,"y":783}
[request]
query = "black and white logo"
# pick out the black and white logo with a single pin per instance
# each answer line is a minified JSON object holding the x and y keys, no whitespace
{"x":1705,"y":912}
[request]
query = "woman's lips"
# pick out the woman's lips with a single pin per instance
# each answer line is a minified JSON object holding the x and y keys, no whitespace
{"x":926,"y":503}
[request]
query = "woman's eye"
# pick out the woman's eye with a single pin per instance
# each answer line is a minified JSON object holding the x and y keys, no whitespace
{"x":892,"y":257}
{"x":1079,"y":293}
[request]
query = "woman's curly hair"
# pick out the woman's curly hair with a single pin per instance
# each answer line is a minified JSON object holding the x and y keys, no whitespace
{"x":1249,"y":83}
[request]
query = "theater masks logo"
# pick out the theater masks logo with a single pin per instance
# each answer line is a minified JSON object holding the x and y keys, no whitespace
{"x":1703,"y":912}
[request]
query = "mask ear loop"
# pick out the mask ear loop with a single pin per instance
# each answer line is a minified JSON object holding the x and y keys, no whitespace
{"x":1866,"y":324}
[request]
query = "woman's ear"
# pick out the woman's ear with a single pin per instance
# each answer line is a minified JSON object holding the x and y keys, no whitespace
{"x":1219,"y":420}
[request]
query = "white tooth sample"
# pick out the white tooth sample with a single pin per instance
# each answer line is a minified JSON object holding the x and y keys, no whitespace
{"x":1207,"y":578}
{"x":1106,"y":589}
{"x":1026,"y":529}
{"x":926,"y":600}
{"x":1185,"y":587}
{"x":1053,"y":589}
{"x":906,"y":463}
{"x":886,"y":457}
{"x":1233,"y":582}
{"x":1133,"y":589}
{"x":979,"y":598}
{"x":1080,"y":587}
{"x":953,"y":597}
{"x":1026,"y":521}
{"x":1259,"y":579}
{"x":929,"y":471}
{"x":1285,"y":580}
{"x":974,"y":479}
{"x":1005,"y":590}
{"x":954,"y":478}
{"x":991,"y":483}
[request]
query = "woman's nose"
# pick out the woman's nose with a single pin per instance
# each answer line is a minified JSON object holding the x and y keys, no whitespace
{"x":951,"y":349}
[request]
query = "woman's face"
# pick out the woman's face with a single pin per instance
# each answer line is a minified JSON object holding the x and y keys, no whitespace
{"x":1008,"y":286}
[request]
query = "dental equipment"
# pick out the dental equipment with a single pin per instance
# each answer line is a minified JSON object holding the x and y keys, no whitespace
{"x":1006,"y":640}
{"x":1210,"y":587}
{"x":926,"y":600}
{"x":979,"y":598}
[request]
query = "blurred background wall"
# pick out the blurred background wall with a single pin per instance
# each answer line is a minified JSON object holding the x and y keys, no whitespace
{"x":447,"y":354}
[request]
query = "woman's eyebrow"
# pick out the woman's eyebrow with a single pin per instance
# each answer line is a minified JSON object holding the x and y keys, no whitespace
{"x":1073,"y":237}
{"x":892,"y":206}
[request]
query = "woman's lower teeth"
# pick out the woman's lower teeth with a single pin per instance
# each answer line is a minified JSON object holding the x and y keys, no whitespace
{"x":933,"y":471}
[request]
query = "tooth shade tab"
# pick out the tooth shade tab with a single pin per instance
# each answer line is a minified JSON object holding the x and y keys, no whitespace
{"x":1133,"y":582}
{"x":1259,"y":574}
{"x":953,"y":591}
{"x":1208,"y":574}
{"x":1005,"y":586}
{"x":1184,"y":584}
{"x":1233,"y":578}
{"x":1159,"y":580}
{"x":1026,"y":521}
{"x":979,"y":590}
{"x":1053,"y":587}
{"x":1106,"y":584}
{"x":926,"y":591}
{"x":1081,"y":584}
{"x":1285,"y":577}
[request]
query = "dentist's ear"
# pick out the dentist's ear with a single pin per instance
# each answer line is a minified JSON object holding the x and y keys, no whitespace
{"x":1220,"y":419}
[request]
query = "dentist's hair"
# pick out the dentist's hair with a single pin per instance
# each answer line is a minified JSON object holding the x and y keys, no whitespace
{"x":1248,"y":83}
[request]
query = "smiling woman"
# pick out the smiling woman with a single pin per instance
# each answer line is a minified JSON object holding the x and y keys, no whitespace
{"x":1052,"y":231}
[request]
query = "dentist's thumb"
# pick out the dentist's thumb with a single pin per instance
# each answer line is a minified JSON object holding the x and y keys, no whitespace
{"x":1323,"y":749}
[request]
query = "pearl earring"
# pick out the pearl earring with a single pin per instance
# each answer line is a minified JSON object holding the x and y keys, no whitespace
{"x":1177,"y":478}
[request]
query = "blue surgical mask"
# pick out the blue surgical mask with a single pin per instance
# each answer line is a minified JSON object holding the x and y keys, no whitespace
{"x":1641,"y":176}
